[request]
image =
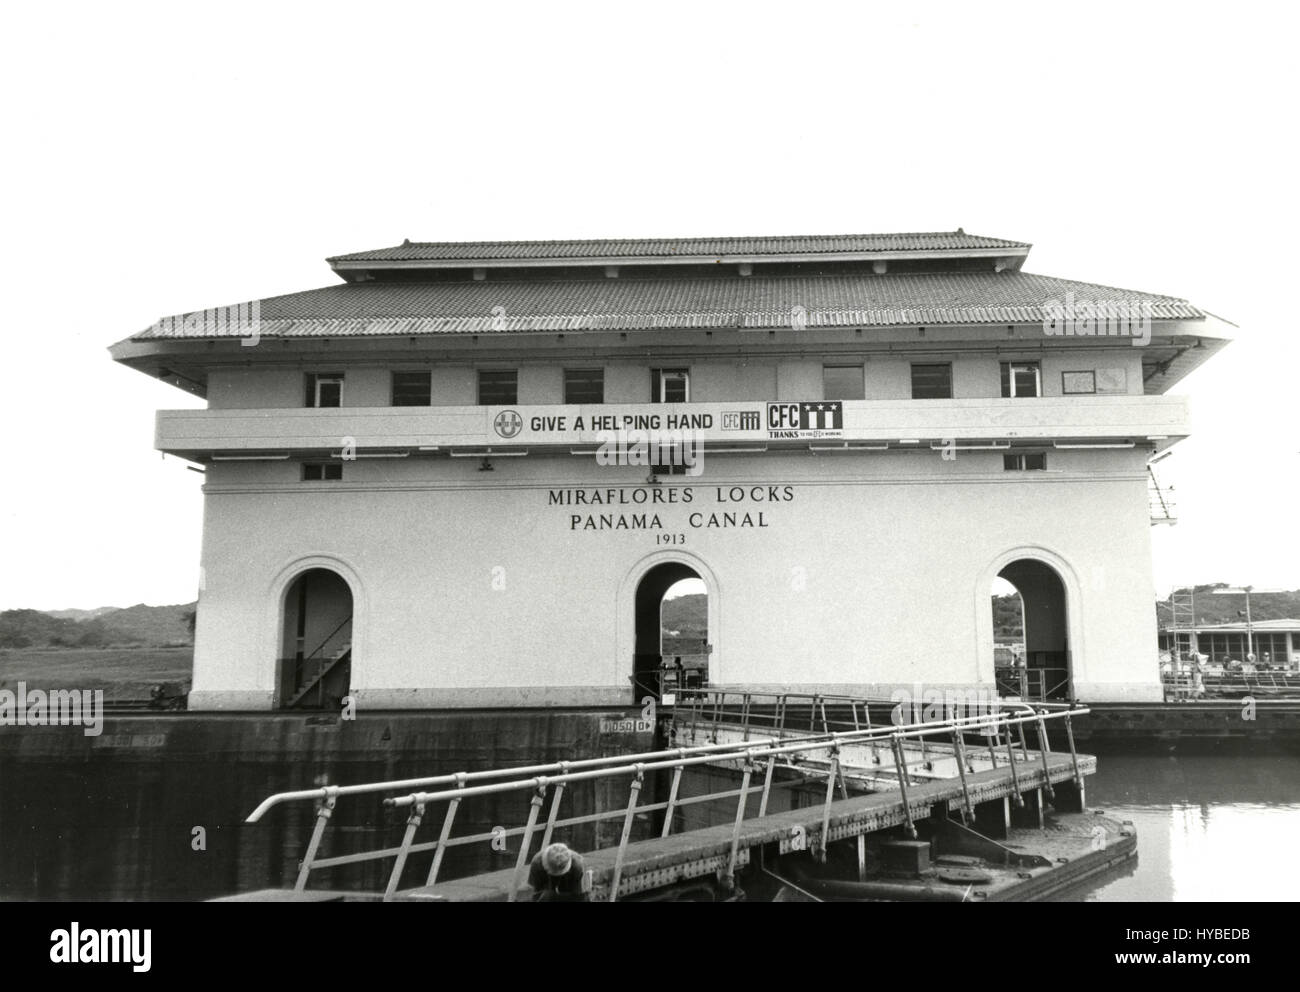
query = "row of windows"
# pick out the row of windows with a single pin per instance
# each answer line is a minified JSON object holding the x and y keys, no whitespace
{"x":1232,"y":647}
{"x":500,"y":387}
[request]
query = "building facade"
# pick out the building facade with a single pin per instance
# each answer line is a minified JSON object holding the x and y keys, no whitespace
{"x":467,"y":474}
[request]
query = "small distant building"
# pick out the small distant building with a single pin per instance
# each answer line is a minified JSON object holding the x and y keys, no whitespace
{"x":1273,"y":642}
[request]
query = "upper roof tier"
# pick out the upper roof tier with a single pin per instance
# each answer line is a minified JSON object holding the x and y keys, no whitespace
{"x":669,"y":251}
{"x":682,"y":301}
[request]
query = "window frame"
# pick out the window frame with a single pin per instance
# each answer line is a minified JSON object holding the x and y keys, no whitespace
{"x":931,"y":365}
{"x":600,"y":370}
{"x":392,"y":386}
{"x":1007,"y":375}
{"x":660,"y":377}
{"x":1021,"y":461}
{"x":479,"y":387}
{"x":313,"y":389}
{"x":329,"y":471}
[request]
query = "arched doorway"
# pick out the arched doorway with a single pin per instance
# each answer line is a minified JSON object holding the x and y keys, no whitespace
{"x":672,"y":629}
{"x":1041,"y":672}
{"x":316,"y":641}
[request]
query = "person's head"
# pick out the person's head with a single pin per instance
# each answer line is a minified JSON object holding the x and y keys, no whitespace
{"x":557,"y":859}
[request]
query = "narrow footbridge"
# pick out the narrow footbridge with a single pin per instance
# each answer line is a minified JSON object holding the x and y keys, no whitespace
{"x":812,"y":770}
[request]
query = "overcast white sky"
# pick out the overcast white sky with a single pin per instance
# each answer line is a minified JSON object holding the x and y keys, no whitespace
{"x":160,"y":159}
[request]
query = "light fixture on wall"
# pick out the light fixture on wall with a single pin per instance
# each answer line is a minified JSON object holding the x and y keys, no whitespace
{"x":486,"y":465}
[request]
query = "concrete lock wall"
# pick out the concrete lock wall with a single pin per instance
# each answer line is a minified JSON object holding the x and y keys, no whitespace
{"x":855,"y":572}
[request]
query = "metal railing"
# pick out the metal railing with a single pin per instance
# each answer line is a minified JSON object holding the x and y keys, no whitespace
{"x":455,"y":789}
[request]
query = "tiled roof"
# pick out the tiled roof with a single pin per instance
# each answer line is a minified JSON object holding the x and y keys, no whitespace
{"x":679,"y":247}
{"x":601,"y":304}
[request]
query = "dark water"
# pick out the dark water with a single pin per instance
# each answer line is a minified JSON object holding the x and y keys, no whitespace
{"x":1212,"y":828}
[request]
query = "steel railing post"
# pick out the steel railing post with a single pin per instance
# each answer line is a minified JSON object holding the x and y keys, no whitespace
{"x":1015,"y":775}
{"x":1074,"y":755}
{"x":534,"y":807}
{"x":767,"y":785}
{"x":322,"y":821}
{"x":445,"y":833}
{"x":554,"y":813}
{"x":633,"y":793}
{"x":826,"y":807}
{"x":741,"y":803}
{"x":1043,"y":749}
{"x":412,"y":825}
{"x":959,"y":752}
{"x":672,"y":799}
{"x":900,"y":766}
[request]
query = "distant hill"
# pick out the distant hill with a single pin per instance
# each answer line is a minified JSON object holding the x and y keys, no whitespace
{"x":688,"y":615}
{"x":135,"y":626}
{"x":82,"y":614}
{"x":1213,"y":608}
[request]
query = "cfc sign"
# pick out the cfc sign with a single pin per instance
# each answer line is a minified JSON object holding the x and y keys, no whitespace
{"x":800,"y":420}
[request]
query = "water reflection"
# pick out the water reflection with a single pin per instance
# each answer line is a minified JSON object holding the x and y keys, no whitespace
{"x":1214,"y":828}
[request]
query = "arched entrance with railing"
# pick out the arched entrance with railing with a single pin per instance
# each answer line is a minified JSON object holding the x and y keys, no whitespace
{"x":315,"y":651}
{"x":1042,"y":670}
{"x":695,"y":624}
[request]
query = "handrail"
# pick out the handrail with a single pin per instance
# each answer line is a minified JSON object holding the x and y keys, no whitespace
{"x":328,"y":637}
{"x":324,"y":792}
{"x":740,"y":750}
{"x":540,"y":778}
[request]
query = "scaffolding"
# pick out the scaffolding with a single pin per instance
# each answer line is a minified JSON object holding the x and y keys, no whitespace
{"x":1182,"y":621}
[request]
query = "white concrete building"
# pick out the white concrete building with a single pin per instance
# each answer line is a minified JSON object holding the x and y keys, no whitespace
{"x":407,"y":494}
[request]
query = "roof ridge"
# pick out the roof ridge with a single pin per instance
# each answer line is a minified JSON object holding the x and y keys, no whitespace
{"x":709,"y":237}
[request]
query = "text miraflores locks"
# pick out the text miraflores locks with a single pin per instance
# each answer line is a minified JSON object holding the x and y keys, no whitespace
{"x":735,"y":497}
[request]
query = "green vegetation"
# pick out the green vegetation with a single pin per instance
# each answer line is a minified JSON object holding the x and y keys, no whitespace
{"x":121,"y":673}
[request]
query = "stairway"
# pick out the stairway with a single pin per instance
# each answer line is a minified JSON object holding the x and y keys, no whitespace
{"x":312,"y":683}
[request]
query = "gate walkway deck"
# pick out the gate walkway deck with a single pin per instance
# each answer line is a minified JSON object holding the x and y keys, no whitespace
{"x":957,"y":763}
{"x":652,"y":864}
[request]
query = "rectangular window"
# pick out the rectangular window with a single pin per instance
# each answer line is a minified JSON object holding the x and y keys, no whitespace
{"x":584,"y":385}
{"x":498,"y":387}
{"x":1024,"y":463}
{"x":670,"y":386}
{"x":1076,"y":383}
{"x":1020,"y":379}
{"x":322,"y":471}
{"x":843,"y":382}
{"x":412,"y":388}
{"x":324,"y":389}
{"x":932,"y":382}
